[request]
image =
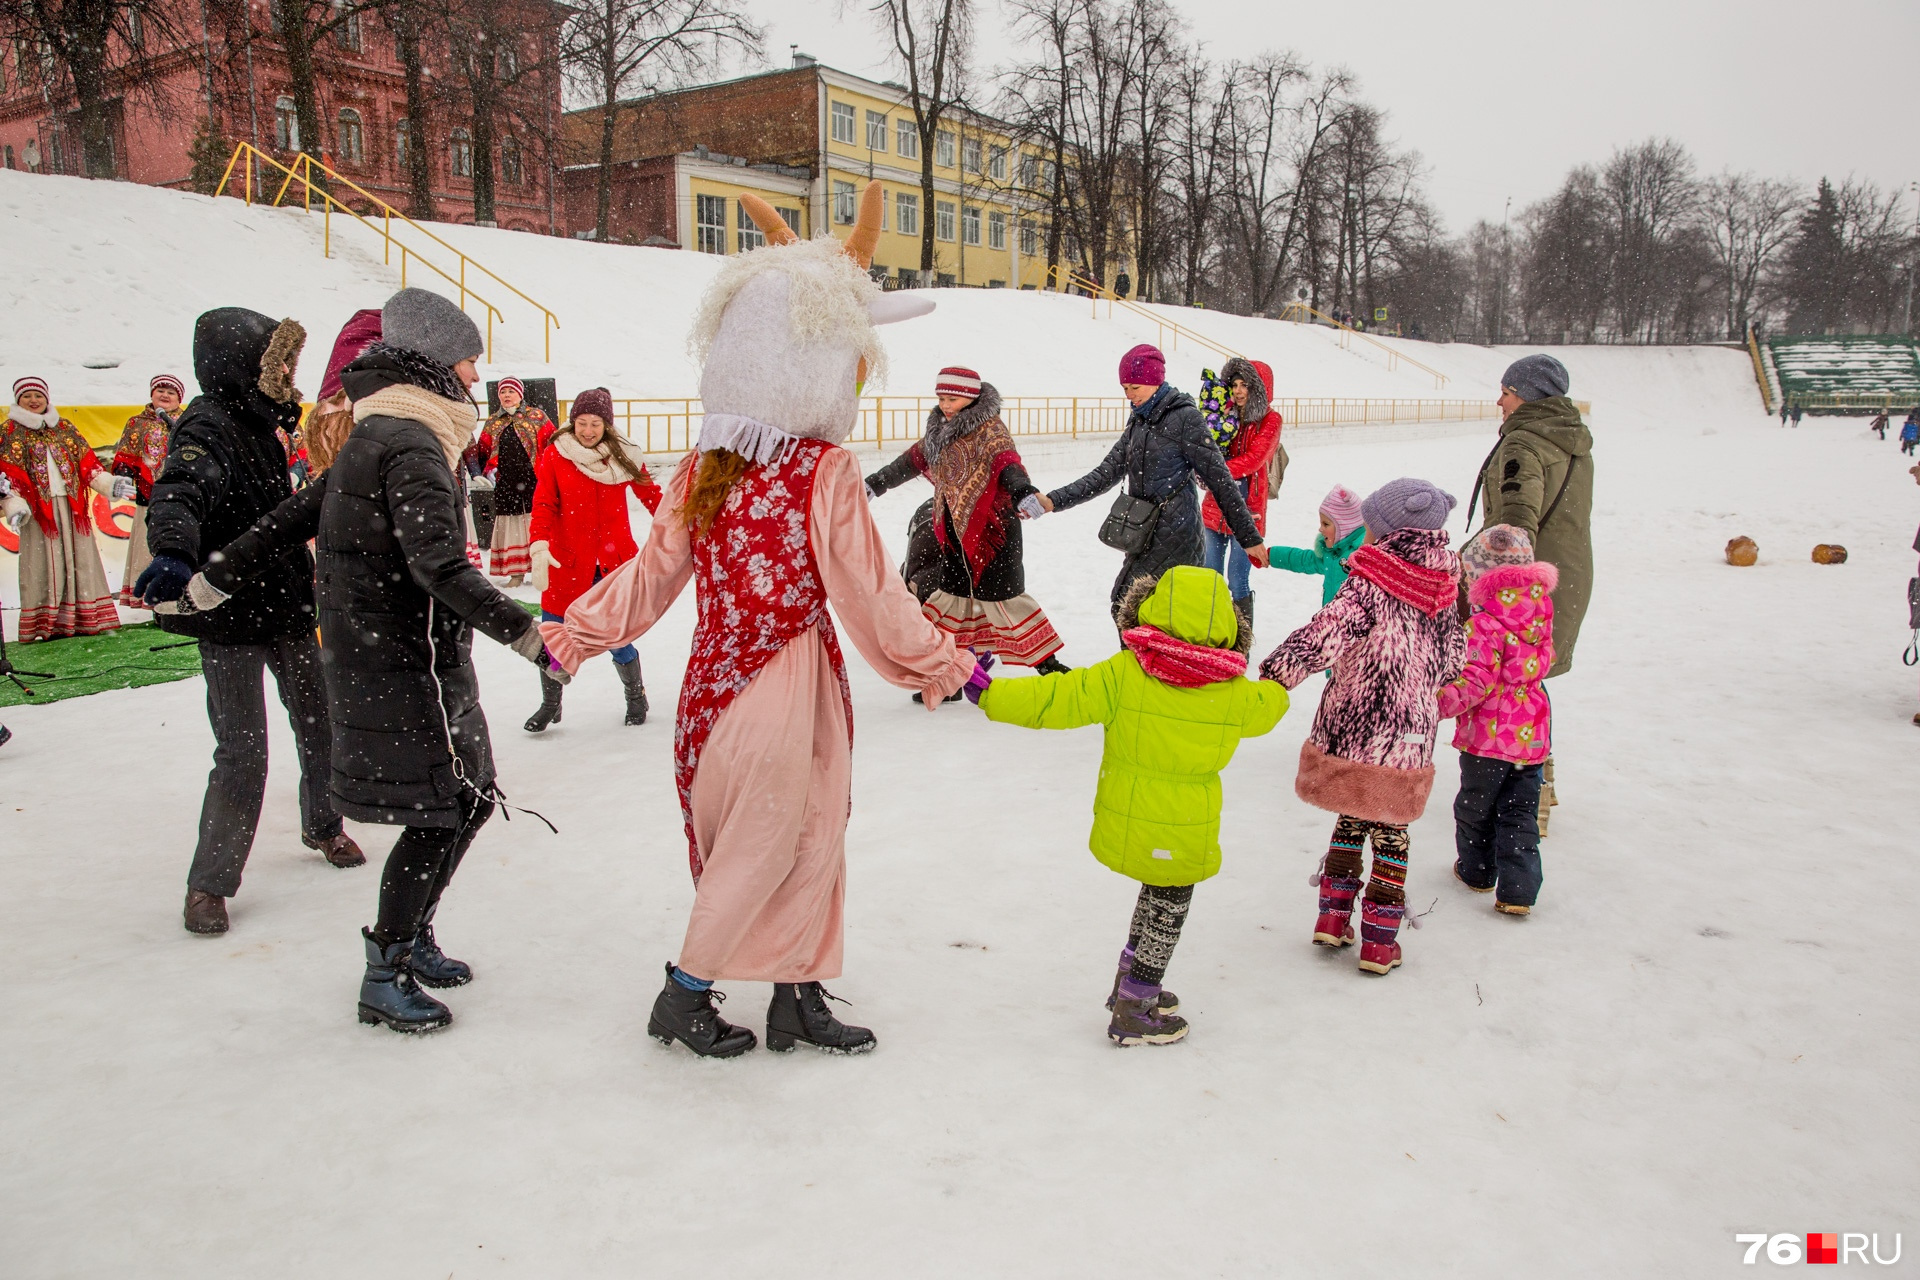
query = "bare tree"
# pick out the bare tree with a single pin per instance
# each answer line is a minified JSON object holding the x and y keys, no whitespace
{"x":1650,"y":195}
{"x":1153,"y":38}
{"x":1038,"y":96}
{"x":89,"y":49}
{"x":499,"y":48}
{"x":932,"y":42}
{"x":1201,"y":168}
{"x":408,"y":21}
{"x":1281,"y":120}
{"x":617,"y":48}
{"x":1747,"y":219}
{"x":304,"y":29}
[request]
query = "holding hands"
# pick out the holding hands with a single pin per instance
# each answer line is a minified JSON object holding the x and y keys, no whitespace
{"x":1034,"y":505}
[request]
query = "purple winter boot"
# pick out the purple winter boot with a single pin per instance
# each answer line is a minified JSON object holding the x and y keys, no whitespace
{"x":1136,"y":1020}
{"x":1169,"y":1002}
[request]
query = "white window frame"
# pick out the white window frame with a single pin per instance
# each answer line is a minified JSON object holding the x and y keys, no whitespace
{"x":286,"y":124}
{"x":906,"y":213}
{"x":943,"y":148}
{"x":790,"y":216}
{"x":746,"y":232}
{"x":840,"y":122}
{"x":945,"y":216}
{"x":997,"y":163}
{"x":906,"y":138}
{"x":1029,"y":237}
{"x":845,"y":201}
{"x":996,"y":229}
{"x":970,"y":225}
{"x":876,"y":130}
{"x":710,"y":224}
{"x":970,"y":155}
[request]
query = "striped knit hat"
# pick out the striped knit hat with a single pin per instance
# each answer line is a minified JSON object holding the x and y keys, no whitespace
{"x":1342,"y":506}
{"x":955,"y":381}
{"x":23,"y":385}
{"x":1492,"y":547}
{"x":513,"y":383}
{"x":168,"y":381}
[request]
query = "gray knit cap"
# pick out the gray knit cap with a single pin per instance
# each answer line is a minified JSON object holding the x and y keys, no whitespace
{"x":1405,"y":504}
{"x":1536,"y":377}
{"x":423,"y":321}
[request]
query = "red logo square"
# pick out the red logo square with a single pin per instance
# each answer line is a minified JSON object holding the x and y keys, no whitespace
{"x":1823,"y":1246}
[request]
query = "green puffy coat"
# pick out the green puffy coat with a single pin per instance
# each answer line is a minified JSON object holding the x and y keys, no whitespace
{"x":1156,"y":811}
{"x":1546,"y":453}
{"x":1329,"y":562}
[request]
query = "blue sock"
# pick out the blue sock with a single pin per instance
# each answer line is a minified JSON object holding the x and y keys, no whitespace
{"x":690,"y":982}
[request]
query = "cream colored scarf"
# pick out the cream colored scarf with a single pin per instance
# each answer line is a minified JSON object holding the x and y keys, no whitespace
{"x":595,"y":462}
{"x":451,"y":421}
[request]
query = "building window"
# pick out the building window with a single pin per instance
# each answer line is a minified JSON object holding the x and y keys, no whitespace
{"x":970,"y":155}
{"x":908,"y":277}
{"x":944,"y":279}
{"x":943,"y":219}
{"x":842,"y":113}
{"x":906,"y":139}
{"x":996,"y":230}
{"x":746,"y":231}
{"x":1029,"y":237}
{"x":943,"y":149}
{"x":710,"y":224}
{"x":402,"y":136}
{"x":876,"y":131}
{"x":352,"y":145}
{"x":460,"y":149}
{"x":996,"y":284}
{"x":906,"y":213}
{"x":970,"y":224}
{"x":1029,"y":171}
{"x":843,"y":202}
{"x":347,"y":33}
{"x":789,"y":216}
{"x":286,"y":124}
{"x":513,"y":171}
{"x":997,"y":163}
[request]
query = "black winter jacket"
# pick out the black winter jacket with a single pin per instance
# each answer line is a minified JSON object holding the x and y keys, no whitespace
{"x":226,"y":468}
{"x":398,"y":605}
{"x":1165,"y":445}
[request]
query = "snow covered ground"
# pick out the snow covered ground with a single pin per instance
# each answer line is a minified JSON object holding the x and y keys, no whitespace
{"x":1707,"y":1027}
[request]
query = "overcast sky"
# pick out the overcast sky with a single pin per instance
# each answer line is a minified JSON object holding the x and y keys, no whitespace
{"x":1502,"y":97}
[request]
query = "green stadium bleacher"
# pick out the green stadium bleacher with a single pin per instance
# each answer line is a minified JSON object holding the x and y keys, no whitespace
{"x":1847,"y":373}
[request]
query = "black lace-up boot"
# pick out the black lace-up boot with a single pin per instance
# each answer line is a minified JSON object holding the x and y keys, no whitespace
{"x":799,"y":1015}
{"x":432,"y":966}
{"x":690,"y":1017}
{"x":388,"y":993}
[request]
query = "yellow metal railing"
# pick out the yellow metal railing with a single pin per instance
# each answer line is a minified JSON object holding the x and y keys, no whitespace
{"x":1301,"y":313}
{"x":303,"y":169}
{"x":1760,"y":369}
{"x":670,"y":426}
{"x":1065,"y":278}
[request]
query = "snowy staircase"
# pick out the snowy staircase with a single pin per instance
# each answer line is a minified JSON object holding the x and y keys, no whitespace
{"x":1846,"y":371}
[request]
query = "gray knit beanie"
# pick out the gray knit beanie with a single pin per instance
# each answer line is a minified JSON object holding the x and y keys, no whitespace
{"x":423,"y":321}
{"x":1405,"y":504}
{"x":1494,"y":547}
{"x":1536,"y":377}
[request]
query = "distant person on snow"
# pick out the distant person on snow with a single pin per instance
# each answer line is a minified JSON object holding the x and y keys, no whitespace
{"x":1503,"y":721}
{"x":965,"y":558}
{"x":1390,"y":639}
{"x":52,"y":474}
{"x":1910,"y":433}
{"x":1879,"y":425}
{"x":1176,"y":704}
{"x":139,"y":456}
{"x":510,"y":445}
{"x":1798,"y":412}
{"x":581,"y":532}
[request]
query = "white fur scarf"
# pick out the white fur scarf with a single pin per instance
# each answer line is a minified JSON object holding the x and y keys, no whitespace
{"x":35,"y":421}
{"x":595,"y":462}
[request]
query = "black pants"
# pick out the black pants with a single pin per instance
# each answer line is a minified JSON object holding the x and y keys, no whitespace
{"x":1496,"y":827}
{"x":422,"y":862}
{"x":1159,"y":913}
{"x":237,"y":712}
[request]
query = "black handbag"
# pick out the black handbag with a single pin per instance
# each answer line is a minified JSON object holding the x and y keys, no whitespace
{"x":1129,"y":526}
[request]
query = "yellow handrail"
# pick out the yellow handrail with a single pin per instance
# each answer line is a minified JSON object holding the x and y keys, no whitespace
{"x":1760,"y":370}
{"x":1058,"y":273}
{"x":1347,"y":333}
{"x":303,"y":168}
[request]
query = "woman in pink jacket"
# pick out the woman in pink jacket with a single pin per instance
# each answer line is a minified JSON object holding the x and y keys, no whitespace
{"x":1503,"y":721}
{"x":1390,"y":638}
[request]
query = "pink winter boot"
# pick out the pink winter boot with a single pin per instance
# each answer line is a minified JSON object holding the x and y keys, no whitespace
{"x":1334,"y":928}
{"x":1379,"y":922}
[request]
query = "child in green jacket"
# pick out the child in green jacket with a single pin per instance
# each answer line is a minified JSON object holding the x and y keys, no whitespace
{"x":1341,"y":532}
{"x":1175,"y":703}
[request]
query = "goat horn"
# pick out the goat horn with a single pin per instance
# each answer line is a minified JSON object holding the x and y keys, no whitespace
{"x":866,"y":228}
{"x":771,"y":224}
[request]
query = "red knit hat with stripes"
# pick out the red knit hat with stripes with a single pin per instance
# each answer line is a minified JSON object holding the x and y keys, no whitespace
{"x":23,"y":385}
{"x":956,"y":381}
{"x":512,"y":384}
{"x":167,"y":380}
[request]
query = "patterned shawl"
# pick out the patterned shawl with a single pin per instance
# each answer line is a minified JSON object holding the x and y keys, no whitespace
{"x":29,"y":454}
{"x":966,"y":488}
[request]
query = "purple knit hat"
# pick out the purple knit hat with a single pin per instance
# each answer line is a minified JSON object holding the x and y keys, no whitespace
{"x":1342,"y":506}
{"x":1491,"y":548}
{"x":1406,"y":503}
{"x":359,"y":333}
{"x":595,"y":400}
{"x":1143,"y":366}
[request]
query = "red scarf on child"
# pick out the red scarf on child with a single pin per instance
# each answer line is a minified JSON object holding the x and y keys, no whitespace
{"x":1181,"y":663}
{"x":1431,"y":591}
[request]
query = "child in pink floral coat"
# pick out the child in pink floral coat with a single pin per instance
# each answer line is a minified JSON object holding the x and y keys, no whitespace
{"x":1503,"y":721}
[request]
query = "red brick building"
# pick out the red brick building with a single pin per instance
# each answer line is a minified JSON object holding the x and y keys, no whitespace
{"x":228,"y":66}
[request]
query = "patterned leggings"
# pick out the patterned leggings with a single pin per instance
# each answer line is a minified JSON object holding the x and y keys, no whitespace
{"x":1387,"y":884}
{"x":1158,"y":915}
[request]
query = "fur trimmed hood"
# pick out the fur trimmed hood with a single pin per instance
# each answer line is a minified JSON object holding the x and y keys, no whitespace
{"x":943,"y":431}
{"x":1127,"y":615}
{"x":232,"y":347}
{"x":1259,"y":380}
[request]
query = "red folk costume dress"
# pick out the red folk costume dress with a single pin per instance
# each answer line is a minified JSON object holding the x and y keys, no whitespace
{"x":510,"y":445}
{"x":139,"y":456}
{"x":763,"y":755}
{"x":63,"y":586}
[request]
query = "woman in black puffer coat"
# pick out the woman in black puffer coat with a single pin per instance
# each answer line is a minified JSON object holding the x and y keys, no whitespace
{"x":399,"y":602}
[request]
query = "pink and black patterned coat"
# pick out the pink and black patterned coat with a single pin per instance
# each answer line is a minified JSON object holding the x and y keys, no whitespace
{"x":1370,"y":754}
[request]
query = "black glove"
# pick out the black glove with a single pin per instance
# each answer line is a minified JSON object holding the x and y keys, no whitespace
{"x":165,"y":579}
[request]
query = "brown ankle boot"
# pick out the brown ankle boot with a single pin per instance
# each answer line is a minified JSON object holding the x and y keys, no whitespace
{"x":205,"y":913}
{"x":340,"y":850}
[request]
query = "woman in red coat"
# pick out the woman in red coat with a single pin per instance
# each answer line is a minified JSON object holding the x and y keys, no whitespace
{"x":1250,"y":382}
{"x":581,"y":531}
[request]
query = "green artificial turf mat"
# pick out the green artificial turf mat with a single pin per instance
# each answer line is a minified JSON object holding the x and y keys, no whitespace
{"x":94,"y":664}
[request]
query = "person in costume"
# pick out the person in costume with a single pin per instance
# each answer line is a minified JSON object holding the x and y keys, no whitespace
{"x":581,"y":531}
{"x":63,"y":585}
{"x":141,"y":453}
{"x":965,"y":561}
{"x":509,"y":447}
{"x":768,"y":517}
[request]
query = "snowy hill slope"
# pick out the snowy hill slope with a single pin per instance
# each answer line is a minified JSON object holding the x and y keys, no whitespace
{"x":114,"y":272}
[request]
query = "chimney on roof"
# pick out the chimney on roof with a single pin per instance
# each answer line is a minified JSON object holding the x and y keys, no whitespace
{"x":802,"y":59}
